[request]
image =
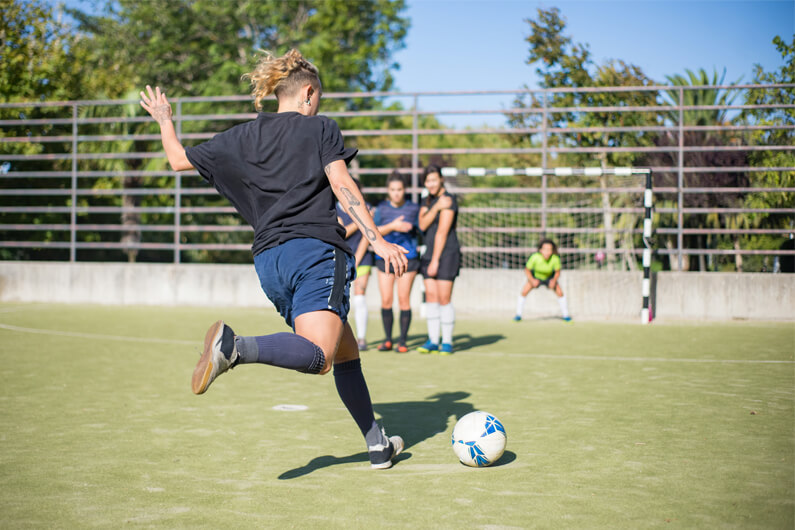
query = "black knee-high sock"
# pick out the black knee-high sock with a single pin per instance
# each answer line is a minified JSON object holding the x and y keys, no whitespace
{"x":388,"y":318}
{"x":285,"y":350}
{"x":405,"y":322}
{"x":352,"y":389}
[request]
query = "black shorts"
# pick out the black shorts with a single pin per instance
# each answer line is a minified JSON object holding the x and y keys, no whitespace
{"x":449,"y":266}
{"x":413,"y":266}
{"x":545,"y":283}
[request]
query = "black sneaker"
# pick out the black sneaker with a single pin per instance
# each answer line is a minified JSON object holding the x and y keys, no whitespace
{"x":381,"y":456}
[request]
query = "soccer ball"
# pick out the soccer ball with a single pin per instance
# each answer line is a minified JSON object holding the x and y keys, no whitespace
{"x":479,"y":439}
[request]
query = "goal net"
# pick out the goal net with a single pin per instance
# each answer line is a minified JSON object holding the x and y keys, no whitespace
{"x":596,"y":219}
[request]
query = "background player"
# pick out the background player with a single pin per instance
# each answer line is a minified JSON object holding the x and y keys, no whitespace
{"x":441,"y":261}
{"x":396,"y":218}
{"x":281,"y":172}
{"x":364,"y":263}
{"x":543,"y":268}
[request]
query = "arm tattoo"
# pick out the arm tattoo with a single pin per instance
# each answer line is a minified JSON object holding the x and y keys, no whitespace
{"x":367,"y":231}
{"x":327,"y":169}
{"x":352,"y":200}
{"x":161,"y":113}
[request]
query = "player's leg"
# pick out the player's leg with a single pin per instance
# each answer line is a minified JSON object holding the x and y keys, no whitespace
{"x":325,"y":281}
{"x":353,"y":391}
{"x":360,"y":304}
{"x":432,"y":316}
{"x":526,"y":288}
{"x":386,"y":285}
{"x":564,"y":306}
{"x":446,"y":315}
{"x":405,"y":283}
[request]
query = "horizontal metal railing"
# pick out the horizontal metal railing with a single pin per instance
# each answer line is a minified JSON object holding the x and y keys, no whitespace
{"x":65,"y":162}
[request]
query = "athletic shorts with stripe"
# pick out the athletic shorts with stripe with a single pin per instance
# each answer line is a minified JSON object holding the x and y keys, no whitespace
{"x":305,"y":275}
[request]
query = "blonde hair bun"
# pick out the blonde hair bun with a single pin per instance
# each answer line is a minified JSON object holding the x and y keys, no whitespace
{"x":282,"y":76}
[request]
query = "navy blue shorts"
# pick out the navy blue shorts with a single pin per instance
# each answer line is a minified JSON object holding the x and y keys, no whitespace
{"x":305,"y":275}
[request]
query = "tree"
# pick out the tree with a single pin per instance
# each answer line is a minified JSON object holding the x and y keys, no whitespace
{"x":776,"y":116}
{"x":36,"y":52}
{"x":565,"y":64}
{"x":202,"y":47}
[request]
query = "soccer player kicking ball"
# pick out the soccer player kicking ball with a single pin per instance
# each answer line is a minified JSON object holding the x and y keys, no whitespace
{"x":543,"y":268}
{"x":281,"y":172}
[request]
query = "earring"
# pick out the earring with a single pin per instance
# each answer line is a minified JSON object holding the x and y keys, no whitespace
{"x":308,"y":102}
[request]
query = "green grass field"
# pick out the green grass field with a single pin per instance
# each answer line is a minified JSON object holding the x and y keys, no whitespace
{"x":609,"y":426}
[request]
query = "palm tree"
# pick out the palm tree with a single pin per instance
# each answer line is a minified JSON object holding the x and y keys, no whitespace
{"x":706,"y":95}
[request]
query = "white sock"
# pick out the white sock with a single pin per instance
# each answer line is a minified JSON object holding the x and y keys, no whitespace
{"x":432,"y":314}
{"x":360,"y":315}
{"x":447,"y":315}
{"x":519,"y":305}
{"x":564,"y":307}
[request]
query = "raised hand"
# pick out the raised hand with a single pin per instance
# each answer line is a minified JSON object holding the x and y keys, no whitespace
{"x":156,"y":104}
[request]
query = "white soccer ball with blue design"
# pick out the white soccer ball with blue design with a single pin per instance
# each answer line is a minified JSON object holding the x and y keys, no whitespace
{"x":479,"y":439}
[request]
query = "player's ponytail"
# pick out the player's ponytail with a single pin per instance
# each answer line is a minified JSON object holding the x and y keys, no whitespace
{"x":282,"y":76}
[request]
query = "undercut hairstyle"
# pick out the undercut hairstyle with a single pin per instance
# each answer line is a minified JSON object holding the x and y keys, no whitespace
{"x":432,"y":169}
{"x":550,"y":242}
{"x":395,"y":176}
{"x":282,"y":76}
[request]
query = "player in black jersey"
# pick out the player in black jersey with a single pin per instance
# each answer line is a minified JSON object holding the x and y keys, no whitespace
{"x":281,"y":172}
{"x":441,"y":261}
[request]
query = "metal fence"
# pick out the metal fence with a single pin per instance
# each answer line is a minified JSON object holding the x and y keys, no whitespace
{"x":86,"y":180}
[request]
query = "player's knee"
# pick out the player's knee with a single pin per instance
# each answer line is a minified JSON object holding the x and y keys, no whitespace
{"x":328,"y":362}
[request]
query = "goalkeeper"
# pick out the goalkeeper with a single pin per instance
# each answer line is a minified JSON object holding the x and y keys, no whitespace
{"x":543,"y":268}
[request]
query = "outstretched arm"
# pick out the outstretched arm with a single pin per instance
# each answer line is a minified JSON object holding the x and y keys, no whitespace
{"x":156,"y":104}
{"x":351,"y":198}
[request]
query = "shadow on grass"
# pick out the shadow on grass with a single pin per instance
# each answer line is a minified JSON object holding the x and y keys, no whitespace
{"x":414,"y":421}
{"x":461,"y":342}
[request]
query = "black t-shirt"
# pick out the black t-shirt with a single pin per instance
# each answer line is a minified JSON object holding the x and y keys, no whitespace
{"x":271,"y":170}
{"x":429,"y":236}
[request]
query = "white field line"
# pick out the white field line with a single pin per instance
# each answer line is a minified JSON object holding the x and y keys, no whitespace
{"x":97,"y":336}
{"x":486,"y":354}
{"x":632,"y":359}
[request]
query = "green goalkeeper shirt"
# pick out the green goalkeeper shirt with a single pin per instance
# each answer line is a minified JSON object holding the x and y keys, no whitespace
{"x":543,"y":269}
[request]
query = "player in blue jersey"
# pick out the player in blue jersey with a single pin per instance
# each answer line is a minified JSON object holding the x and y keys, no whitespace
{"x":397,"y":218}
{"x":364,"y":264}
{"x":281,"y":172}
{"x":441,"y":261}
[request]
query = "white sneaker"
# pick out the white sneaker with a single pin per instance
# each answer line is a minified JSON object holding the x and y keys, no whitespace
{"x":381,"y":455}
{"x":219,"y":355}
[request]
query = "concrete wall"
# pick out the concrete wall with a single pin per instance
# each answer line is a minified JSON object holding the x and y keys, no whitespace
{"x":492,"y":293}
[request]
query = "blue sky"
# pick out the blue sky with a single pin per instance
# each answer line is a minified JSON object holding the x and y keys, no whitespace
{"x":480,"y":45}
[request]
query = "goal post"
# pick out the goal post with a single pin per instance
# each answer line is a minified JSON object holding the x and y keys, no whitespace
{"x":598,"y":215}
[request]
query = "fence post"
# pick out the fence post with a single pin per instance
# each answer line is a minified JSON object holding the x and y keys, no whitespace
{"x":544,"y":146}
{"x":415,"y":144}
{"x":680,"y":182}
{"x":178,"y":193}
{"x":73,"y":212}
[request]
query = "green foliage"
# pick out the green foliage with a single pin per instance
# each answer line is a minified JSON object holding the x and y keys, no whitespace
{"x":565,"y":64}
{"x":776,"y":116}
{"x":202,"y":47}
{"x":701,"y":97}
